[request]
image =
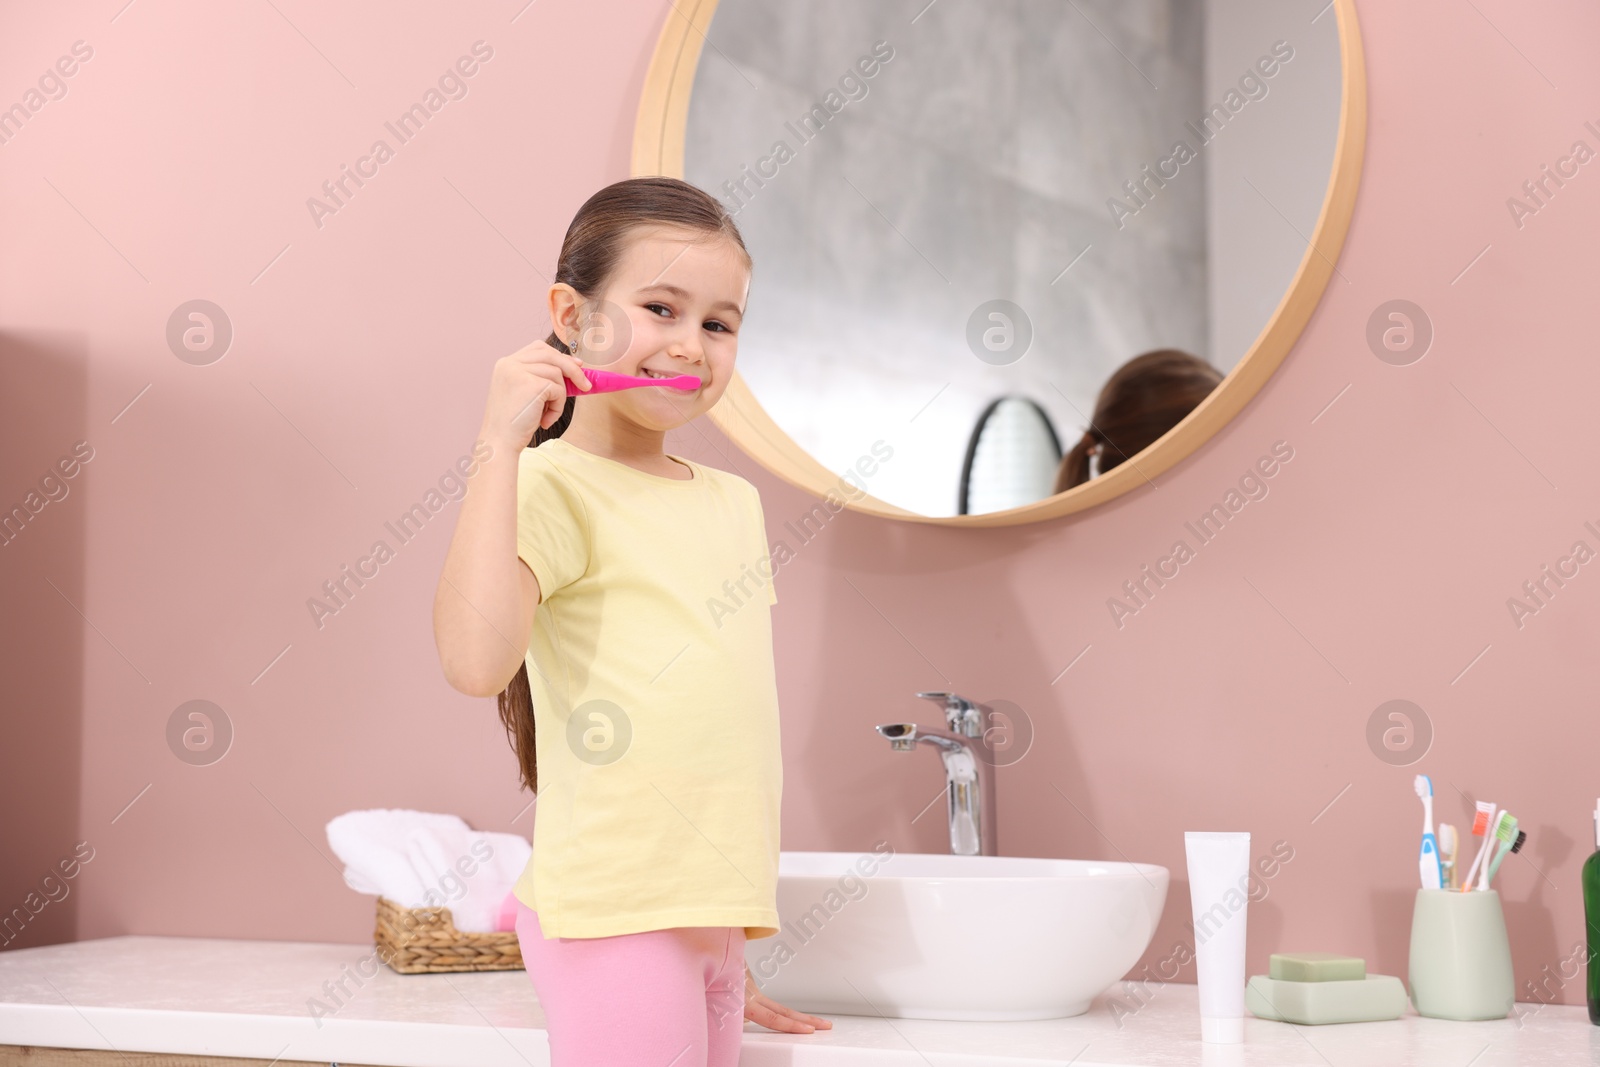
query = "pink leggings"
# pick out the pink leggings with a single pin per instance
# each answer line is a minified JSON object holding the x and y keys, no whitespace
{"x":660,"y":998}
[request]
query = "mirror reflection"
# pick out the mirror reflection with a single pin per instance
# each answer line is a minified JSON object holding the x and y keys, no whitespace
{"x":1015,"y":242}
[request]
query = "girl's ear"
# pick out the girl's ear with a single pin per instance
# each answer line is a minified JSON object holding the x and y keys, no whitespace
{"x":565,"y":311}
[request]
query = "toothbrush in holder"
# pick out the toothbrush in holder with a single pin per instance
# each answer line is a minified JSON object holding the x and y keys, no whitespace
{"x":1449,"y":849}
{"x":1482,"y":824}
{"x":1428,"y":860}
{"x":1505,"y":832}
{"x":1505,"y":850}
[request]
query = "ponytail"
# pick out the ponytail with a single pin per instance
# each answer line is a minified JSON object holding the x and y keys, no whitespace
{"x":1075,"y":464}
{"x":1143,"y":399}
{"x":516,"y":701}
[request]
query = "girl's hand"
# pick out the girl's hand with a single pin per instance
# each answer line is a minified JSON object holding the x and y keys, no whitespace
{"x":528,"y":391}
{"x":761,"y":1009}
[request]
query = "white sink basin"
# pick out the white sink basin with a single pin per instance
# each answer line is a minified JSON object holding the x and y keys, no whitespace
{"x":923,"y":936}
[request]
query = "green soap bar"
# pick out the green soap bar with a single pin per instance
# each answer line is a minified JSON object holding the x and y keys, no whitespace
{"x":1375,"y":998}
{"x":1315,"y":967}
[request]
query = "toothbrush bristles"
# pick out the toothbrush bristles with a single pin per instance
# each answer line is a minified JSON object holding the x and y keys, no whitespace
{"x":1516,"y":846}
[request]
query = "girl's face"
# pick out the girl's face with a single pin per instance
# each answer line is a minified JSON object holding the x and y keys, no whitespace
{"x":682,"y":296}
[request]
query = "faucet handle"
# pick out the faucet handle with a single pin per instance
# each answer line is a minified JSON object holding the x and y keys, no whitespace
{"x":960,"y":713}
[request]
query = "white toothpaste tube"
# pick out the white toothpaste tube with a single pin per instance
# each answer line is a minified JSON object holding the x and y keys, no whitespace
{"x":1219,"y":880}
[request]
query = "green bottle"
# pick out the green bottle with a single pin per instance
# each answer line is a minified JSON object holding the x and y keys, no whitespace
{"x":1591,"y":917}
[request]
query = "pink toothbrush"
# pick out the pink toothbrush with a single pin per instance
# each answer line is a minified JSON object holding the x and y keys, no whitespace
{"x":607,"y":382}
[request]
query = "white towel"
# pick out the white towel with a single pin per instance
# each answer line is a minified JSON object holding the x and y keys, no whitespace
{"x":420,"y":859}
{"x":373,"y":846}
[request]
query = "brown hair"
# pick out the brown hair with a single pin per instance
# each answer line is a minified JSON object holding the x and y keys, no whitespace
{"x":1143,"y":399}
{"x":594,"y":244}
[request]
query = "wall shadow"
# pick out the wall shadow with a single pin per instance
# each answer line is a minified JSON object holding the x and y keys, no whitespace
{"x":43,"y":413}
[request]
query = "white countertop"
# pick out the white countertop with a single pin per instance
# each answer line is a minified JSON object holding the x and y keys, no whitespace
{"x":251,"y":999}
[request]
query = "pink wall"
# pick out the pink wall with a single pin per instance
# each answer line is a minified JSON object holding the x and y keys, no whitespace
{"x":177,"y":167}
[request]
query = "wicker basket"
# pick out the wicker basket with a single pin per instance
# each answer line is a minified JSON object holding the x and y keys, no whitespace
{"x":425,"y":941}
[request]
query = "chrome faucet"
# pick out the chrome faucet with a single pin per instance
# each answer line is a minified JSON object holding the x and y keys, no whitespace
{"x":969,"y":786}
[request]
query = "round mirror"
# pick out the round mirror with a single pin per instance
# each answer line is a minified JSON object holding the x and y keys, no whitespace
{"x":1010,"y":261}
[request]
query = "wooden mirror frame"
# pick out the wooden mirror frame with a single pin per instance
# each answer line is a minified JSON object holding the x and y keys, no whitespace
{"x":658,"y":139}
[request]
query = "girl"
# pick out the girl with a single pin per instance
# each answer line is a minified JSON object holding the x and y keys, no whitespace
{"x":617,"y":599}
{"x":1143,"y":399}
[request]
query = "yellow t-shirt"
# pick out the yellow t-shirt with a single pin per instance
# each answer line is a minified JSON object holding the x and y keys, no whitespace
{"x":655,"y":700}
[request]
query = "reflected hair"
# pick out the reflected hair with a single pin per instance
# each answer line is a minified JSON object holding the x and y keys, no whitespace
{"x":1143,"y":399}
{"x":594,"y":245}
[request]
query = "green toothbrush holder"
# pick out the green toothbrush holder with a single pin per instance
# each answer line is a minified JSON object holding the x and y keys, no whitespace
{"x":1460,"y":956}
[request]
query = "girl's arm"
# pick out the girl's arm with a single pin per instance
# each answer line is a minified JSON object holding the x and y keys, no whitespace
{"x":764,"y":1011}
{"x":483,"y":607}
